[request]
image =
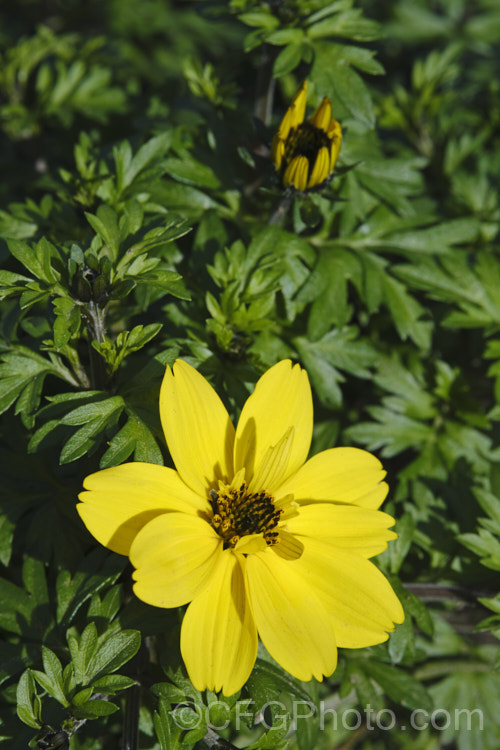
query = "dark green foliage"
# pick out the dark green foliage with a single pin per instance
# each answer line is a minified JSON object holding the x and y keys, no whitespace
{"x":141,"y":220}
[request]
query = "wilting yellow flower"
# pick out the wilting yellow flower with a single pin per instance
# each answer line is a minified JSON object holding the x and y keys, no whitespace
{"x":257,"y":539}
{"x":306,"y":151}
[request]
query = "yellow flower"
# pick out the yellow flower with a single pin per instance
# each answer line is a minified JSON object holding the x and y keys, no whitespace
{"x":254,"y":537}
{"x":306,"y":151}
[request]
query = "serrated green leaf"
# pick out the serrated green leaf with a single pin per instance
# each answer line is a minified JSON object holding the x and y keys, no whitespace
{"x":114,"y":651}
{"x":167,"y":730}
{"x":337,"y":350}
{"x":67,"y":322}
{"x":267,"y":681}
{"x":334,"y":76}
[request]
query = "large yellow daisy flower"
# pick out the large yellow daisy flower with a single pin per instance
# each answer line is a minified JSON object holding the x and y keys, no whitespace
{"x":258,"y":540}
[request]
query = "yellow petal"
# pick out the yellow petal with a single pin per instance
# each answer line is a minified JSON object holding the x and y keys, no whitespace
{"x":250,"y":543}
{"x":321,"y":168}
{"x":277,"y":151}
{"x":175,"y":554}
{"x":218,"y":635}
{"x":289,"y":546}
{"x":335,"y":134}
{"x":299,"y":105}
{"x":360,"y":599}
{"x":281,"y":399}
{"x":197,"y":428}
{"x":296,"y":173}
{"x":365,"y":532}
{"x":339,"y":475}
{"x":121,"y":500}
{"x":292,"y":622}
{"x":295,"y":113}
{"x":271,"y":470}
{"x":322,"y":117}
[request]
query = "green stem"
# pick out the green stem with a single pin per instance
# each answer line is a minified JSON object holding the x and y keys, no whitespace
{"x":77,"y":367}
{"x":97,"y":331}
{"x":281,"y":209}
{"x":214,"y":742}
{"x":264,"y":94}
{"x":437,"y":592}
{"x":131,"y":718}
{"x":442,"y":668}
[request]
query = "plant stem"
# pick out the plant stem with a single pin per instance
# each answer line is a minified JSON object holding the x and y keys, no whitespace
{"x":438,"y":592}
{"x":131,"y":718}
{"x":264,"y":93}
{"x":281,"y":209}
{"x":97,"y":331}
{"x":214,"y":742}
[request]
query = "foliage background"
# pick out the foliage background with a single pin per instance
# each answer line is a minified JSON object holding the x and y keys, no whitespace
{"x":138,"y":223}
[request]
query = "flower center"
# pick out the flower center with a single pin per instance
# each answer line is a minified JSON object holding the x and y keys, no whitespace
{"x":305,"y":140}
{"x":237,"y":513}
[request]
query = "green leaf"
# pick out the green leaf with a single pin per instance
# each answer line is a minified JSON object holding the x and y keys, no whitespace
{"x":28,"y":702}
{"x":337,"y":350}
{"x":93,"y":709}
{"x":150,"y":152}
{"x":400,"y":686}
{"x":52,"y":679}
{"x":394,"y":432}
{"x":166,"y":280}
{"x":95,"y":418}
{"x":82,"y":650}
{"x":96,"y":571}
{"x":399,"y":548}
{"x":333,"y":75}
{"x":67,"y":322}
{"x":134,"y":437}
{"x":259,"y":18}
{"x":167,"y":729}
{"x":35,"y":583}
{"x":23,"y":369}
{"x":105,"y":224}
{"x":12,"y":283}
{"x":17,"y":607}
{"x":27,"y":256}
{"x":401,"y":641}
{"x":350,"y":24}
{"x":268,"y":680}
{"x":327,"y":287}
{"x":285,"y":36}
{"x":439,"y":239}
{"x":191,"y":172}
{"x":114,"y":651}
{"x":288,"y":59}
{"x":112,"y":683}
